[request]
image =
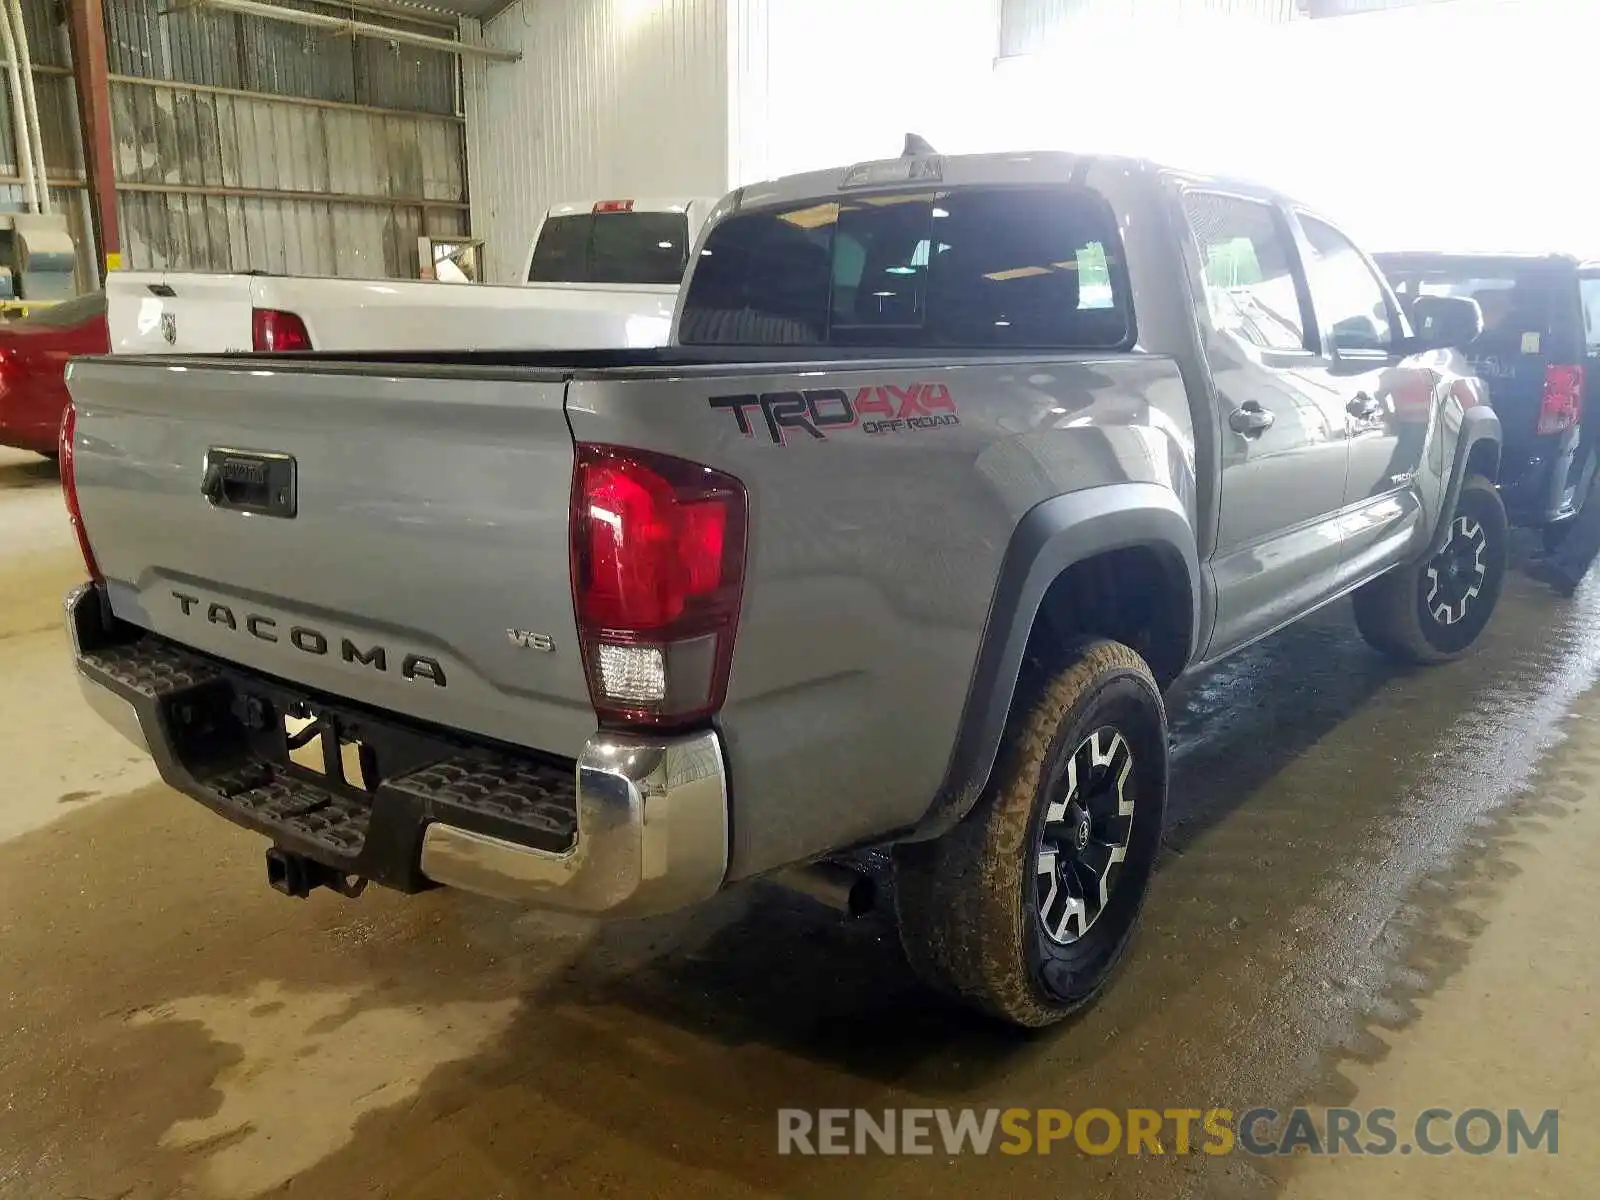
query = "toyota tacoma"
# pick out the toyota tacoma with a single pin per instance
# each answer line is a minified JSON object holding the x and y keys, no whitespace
{"x":953,"y":467}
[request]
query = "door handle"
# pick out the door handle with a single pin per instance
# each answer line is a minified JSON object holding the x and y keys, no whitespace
{"x":1363,"y":407}
{"x":1250,"y":419}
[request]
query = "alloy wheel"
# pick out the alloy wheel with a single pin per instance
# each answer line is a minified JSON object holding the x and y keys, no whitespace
{"x":1455,"y":576}
{"x":1083,"y":839}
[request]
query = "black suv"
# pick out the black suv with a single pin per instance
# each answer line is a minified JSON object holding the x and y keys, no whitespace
{"x":1541,"y":317}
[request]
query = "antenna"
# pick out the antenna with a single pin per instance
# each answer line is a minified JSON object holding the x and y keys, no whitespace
{"x":916,"y":146}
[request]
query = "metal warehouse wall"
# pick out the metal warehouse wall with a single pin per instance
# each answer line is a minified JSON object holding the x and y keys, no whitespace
{"x":1026,"y":26}
{"x":248,"y":144}
{"x":58,"y":125}
{"x":612,"y":98}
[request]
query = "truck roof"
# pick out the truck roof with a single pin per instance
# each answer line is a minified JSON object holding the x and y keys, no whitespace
{"x":970,"y":170}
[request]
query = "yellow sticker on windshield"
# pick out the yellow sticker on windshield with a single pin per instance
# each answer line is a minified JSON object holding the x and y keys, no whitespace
{"x":1530,"y":342}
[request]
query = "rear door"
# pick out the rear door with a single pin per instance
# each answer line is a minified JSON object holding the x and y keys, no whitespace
{"x":1387,"y":401}
{"x":1283,"y":425}
{"x":178,"y":312}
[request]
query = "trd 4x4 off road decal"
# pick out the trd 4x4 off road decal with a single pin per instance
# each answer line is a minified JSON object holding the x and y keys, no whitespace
{"x":874,"y":410}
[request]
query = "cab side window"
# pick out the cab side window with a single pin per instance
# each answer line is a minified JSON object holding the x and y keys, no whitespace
{"x":1345,"y":293}
{"x":1248,"y":259}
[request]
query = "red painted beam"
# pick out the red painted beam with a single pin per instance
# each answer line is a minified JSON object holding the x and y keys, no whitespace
{"x":91,"y":75}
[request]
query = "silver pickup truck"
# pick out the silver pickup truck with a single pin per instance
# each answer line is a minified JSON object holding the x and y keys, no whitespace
{"x":955,"y":464}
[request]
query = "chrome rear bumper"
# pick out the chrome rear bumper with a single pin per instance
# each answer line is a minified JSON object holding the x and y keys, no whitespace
{"x":637,"y":826}
{"x":652,"y":835}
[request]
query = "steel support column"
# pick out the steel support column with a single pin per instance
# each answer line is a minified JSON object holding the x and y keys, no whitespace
{"x":91,"y":75}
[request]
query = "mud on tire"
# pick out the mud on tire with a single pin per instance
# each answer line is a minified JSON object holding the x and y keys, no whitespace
{"x":1006,"y":911}
{"x":1433,"y":611}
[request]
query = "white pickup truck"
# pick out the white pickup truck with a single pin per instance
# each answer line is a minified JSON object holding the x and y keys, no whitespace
{"x":599,"y":275}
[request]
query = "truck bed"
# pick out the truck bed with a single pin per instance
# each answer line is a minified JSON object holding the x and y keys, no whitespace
{"x":196,"y":312}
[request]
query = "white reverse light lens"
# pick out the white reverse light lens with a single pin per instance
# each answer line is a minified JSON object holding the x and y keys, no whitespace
{"x":634,"y":674}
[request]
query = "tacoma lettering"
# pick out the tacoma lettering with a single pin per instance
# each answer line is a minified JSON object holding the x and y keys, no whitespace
{"x":372,"y":658}
{"x":310,"y":641}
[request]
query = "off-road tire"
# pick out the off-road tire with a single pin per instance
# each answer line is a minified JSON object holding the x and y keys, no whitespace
{"x":968,"y":904}
{"x":1399,"y":612}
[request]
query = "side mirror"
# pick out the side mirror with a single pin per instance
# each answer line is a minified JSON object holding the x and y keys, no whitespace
{"x":1446,"y":322}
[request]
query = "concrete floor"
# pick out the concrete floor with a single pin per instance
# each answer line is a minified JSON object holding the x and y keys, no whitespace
{"x":1379,"y":888}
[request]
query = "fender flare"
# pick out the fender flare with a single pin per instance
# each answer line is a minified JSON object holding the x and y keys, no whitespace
{"x":1478,"y":424}
{"x":1050,"y":538}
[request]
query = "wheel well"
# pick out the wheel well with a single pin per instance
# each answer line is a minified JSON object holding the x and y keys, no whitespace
{"x":1484,"y":459}
{"x":1138,"y":596}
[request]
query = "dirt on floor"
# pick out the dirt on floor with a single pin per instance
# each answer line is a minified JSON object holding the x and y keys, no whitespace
{"x":1505,"y":1017}
{"x":1375,"y":891}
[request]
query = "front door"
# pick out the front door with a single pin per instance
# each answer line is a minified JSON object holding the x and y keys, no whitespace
{"x":1283,"y":429}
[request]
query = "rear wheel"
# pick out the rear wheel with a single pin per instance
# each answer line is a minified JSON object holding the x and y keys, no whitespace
{"x":1027,"y":906}
{"x":1433,"y":611}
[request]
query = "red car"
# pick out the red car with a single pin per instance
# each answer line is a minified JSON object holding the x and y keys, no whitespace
{"x":33,"y":364}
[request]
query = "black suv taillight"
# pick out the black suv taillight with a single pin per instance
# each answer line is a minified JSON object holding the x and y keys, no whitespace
{"x":1561,"y":406}
{"x":658,"y":550}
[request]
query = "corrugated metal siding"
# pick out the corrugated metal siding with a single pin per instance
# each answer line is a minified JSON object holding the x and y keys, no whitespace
{"x":47,"y":46}
{"x":336,"y":191}
{"x":195,"y":45}
{"x":611,"y":98}
{"x":47,"y":43}
{"x":57,"y":126}
{"x":295,"y":237}
{"x":1026,"y":26}
{"x":289,"y":149}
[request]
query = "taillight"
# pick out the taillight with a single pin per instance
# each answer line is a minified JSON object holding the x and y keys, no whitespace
{"x":273,"y":330}
{"x":69,"y":486}
{"x":657,"y":575}
{"x":613,"y":206}
{"x":1562,"y":405}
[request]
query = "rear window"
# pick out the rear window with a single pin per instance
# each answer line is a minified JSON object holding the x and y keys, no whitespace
{"x":625,"y":247}
{"x":972,"y":269}
{"x":1532,"y":312}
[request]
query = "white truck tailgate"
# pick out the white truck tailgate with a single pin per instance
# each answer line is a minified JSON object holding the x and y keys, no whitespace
{"x":159,"y":312}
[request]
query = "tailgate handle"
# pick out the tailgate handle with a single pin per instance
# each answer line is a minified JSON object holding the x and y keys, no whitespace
{"x":250,"y":482}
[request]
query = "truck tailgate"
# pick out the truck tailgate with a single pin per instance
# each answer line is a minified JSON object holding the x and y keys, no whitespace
{"x":153,"y":312}
{"x":426,"y":527}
